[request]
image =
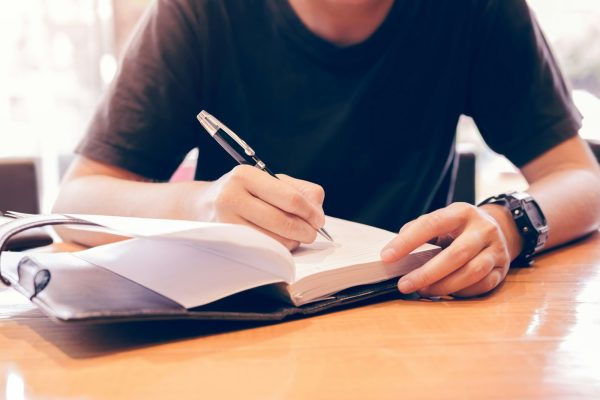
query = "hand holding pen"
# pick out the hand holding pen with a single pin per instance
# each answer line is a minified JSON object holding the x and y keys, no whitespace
{"x":287,"y":209}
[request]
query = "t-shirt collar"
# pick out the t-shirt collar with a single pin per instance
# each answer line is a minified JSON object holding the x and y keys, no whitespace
{"x":323,"y":51}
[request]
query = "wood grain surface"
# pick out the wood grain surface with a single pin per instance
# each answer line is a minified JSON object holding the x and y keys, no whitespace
{"x":535,"y":337}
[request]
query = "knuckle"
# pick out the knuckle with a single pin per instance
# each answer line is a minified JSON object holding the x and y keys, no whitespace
{"x":292,"y":228}
{"x":288,"y":226}
{"x":405,"y":226}
{"x":503,"y":258}
{"x":240,"y":172}
{"x":295,"y":201}
{"x":462,"y":208}
{"x":492,"y":259}
{"x":432,"y":221}
{"x":488,"y":284}
{"x":500,"y":250}
{"x":490,"y":229}
{"x":422,"y":220}
{"x":462,"y":212}
{"x":295,"y":229}
{"x":480,"y":268}
{"x":423,"y":279}
{"x":459,"y":251}
{"x":318,"y":193}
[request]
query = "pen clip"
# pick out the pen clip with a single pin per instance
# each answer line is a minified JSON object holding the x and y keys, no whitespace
{"x":247,"y":149}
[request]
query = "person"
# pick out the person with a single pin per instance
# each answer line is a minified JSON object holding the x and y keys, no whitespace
{"x":358,"y":99}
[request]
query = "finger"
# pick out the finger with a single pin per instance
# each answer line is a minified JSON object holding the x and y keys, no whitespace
{"x":472,"y":272}
{"x":421,"y":230}
{"x":312,"y":191}
{"x":434,"y":240}
{"x":274,"y":220}
{"x":283,"y":196}
{"x":452,"y":258}
{"x":288,"y":243}
{"x":488,"y":283}
{"x":406,"y":225}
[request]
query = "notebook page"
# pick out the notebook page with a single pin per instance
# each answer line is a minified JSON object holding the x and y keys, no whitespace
{"x":134,"y":226}
{"x":188,"y":275}
{"x":354,"y":244}
{"x":239,"y":243}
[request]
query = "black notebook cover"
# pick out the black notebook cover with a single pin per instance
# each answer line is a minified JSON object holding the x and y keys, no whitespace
{"x":87,"y":293}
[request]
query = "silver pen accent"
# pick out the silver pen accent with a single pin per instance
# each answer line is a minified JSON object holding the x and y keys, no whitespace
{"x":238,"y":149}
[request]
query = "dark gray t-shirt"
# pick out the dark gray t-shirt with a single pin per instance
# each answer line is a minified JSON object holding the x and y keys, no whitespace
{"x":373,"y":123}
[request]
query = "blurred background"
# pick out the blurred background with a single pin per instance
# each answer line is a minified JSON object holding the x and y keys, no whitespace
{"x":57,"y":57}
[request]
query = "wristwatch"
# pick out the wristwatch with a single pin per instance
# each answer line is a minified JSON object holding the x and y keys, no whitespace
{"x":530,"y":221}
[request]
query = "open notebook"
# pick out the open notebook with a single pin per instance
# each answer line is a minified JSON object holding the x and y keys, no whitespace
{"x":194,"y":263}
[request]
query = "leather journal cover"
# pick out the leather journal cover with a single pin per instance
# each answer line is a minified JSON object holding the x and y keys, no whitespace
{"x":83,"y":292}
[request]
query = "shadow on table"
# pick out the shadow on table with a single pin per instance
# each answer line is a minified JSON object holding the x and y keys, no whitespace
{"x":95,"y":340}
{"x":87,"y":340}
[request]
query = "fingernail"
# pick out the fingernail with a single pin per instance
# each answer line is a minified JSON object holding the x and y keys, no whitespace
{"x":405,"y":285}
{"x":388,"y":254}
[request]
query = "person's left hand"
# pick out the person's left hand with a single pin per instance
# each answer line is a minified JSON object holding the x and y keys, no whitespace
{"x":475,"y":256}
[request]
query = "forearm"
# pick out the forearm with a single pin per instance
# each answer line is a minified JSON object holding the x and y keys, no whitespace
{"x":287,"y":209}
{"x":98,"y":194}
{"x":570,"y":201}
{"x":479,"y":243}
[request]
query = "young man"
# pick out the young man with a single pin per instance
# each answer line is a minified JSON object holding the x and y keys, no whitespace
{"x":360,"y":97}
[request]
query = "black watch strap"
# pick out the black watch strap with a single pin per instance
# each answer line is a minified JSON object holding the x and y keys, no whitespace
{"x":530,"y":221}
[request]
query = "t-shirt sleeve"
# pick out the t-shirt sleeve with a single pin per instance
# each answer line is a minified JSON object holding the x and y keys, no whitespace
{"x":145,"y":122}
{"x":518,"y":96}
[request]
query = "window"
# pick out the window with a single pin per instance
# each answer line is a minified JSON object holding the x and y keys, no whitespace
{"x":572,"y":27}
{"x":56,"y":60}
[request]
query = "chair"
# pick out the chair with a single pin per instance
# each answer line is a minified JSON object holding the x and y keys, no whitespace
{"x":464,"y":185}
{"x":19,"y":185}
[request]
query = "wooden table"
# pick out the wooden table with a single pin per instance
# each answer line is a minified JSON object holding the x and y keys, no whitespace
{"x":535,"y":337}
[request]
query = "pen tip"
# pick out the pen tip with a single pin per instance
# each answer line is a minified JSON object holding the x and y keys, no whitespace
{"x":325,"y":234}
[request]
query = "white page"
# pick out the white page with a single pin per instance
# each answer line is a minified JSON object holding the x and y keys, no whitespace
{"x":251,"y":246}
{"x":133,"y":226}
{"x":190,"y":276}
{"x":354,"y":244}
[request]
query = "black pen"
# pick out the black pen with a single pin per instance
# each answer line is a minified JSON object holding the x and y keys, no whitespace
{"x":238,"y":149}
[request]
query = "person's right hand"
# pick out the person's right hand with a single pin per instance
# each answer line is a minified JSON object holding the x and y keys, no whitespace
{"x":287,"y":209}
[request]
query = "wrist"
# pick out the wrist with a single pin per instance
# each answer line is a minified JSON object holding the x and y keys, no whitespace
{"x":504,"y":219}
{"x":192,"y":201}
{"x":529,"y":221}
